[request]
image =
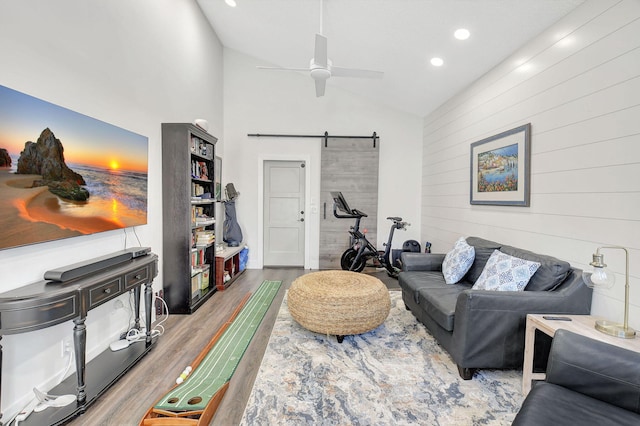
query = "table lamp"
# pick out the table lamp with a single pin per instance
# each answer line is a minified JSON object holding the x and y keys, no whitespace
{"x":603,"y":278}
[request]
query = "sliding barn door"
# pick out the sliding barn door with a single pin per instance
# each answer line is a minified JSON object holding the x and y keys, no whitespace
{"x":351,"y":167}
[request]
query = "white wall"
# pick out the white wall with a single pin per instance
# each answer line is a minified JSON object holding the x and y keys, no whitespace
{"x":131,"y":64}
{"x":578,"y":84}
{"x":260,"y":101}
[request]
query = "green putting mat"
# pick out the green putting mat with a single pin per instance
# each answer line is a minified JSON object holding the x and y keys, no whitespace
{"x":220,"y":363}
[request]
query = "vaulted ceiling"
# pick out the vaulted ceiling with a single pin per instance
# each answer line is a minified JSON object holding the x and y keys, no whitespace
{"x":398,"y":37}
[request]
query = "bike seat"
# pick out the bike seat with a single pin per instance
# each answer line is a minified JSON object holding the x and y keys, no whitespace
{"x":395,"y":219}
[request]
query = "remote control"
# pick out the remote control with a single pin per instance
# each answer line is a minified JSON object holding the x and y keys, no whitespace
{"x":552,"y":318}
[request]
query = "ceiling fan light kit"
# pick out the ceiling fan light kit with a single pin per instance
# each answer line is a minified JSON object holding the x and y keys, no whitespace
{"x":319,"y":72}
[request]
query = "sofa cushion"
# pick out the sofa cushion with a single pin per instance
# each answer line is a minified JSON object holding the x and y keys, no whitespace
{"x":483,"y":249}
{"x":549,"y":404}
{"x":549,"y":275}
{"x":412,"y":281}
{"x":458,"y":261}
{"x":505,"y":273}
{"x":439,"y":302}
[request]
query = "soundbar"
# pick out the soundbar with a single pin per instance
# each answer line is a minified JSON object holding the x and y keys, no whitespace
{"x":80,"y":269}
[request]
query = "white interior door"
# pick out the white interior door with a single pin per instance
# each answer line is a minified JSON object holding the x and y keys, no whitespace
{"x":284,"y":215}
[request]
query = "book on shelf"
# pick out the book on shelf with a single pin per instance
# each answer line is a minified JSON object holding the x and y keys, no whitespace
{"x":200,"y":147}
{"x":200,"y":218}
{"x":204,"y":237}
{"x":199,"y":170}
{"x":204,"y":282}
{"x":197,"y":190}
{"x":196,"y":284}
{"x":198,"y":258}
{"x":204,"y":221}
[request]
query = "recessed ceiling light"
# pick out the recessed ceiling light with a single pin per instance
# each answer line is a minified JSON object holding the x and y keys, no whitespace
{"x":231,"y":3}
{"x":437,"y":62}
{"x":462,"y":34}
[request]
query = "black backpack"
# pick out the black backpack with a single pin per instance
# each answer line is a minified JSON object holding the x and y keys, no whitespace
{"x":412,"y":246}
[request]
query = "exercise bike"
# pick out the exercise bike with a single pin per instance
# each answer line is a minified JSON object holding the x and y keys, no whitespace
{"x":355,"y":257}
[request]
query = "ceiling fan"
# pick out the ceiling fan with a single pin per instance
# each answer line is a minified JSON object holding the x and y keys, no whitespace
{"x":321,"y":68}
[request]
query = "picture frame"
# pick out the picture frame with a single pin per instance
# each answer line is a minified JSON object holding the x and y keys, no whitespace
{"x":500,"y":168}
{"x":64,"y":174}
{"x":217,"y":180}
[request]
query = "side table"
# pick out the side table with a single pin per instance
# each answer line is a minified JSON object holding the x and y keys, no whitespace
{"x":579,"y":324}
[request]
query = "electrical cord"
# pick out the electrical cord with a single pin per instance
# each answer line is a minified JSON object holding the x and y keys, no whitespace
{"x":135,"y":335}
{"x":134,"y":233}
{"x":31,"y":405}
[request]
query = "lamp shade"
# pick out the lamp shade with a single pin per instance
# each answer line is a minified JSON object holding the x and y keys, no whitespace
{"x":599,"y":275}
{"x":602,"y":278}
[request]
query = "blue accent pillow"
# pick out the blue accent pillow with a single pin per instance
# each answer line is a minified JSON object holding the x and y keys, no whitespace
{"x":505,"y":273}
{"x":458,"y":261}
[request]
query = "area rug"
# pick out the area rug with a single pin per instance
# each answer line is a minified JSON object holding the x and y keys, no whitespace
{"x":394,"y":375}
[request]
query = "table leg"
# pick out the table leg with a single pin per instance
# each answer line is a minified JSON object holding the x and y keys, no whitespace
{"x":527,"y":367}
{"x":0,"y":379}
{"x":80,"y":349}
{"x":136,"y":297}
{"x":148,"y":296}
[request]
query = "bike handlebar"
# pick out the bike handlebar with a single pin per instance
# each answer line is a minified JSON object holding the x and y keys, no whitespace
{"x":354,"y":214}
{"x":357,"y":214}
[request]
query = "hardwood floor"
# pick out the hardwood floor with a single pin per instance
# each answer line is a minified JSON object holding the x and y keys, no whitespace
{"x":185,"y":335}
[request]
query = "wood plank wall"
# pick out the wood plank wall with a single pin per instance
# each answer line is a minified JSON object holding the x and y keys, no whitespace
{"x":578,"y":84}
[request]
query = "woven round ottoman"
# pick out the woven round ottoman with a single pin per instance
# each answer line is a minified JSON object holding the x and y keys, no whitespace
{"x":338,"y":302}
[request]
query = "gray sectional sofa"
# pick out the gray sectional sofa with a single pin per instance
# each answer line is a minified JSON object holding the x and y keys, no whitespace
{"x":588,"y":383}
{"x":485,"y":328}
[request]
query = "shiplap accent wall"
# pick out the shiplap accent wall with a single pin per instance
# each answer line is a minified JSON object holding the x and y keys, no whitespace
{"x":578,"y":84}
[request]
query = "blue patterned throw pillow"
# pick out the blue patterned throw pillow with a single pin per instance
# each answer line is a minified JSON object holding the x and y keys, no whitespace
{"x":505,"y":273}
{"x":458,"y":261}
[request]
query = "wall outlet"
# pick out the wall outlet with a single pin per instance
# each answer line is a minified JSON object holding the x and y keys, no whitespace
{"x":66,"y":347}
{"x":159,"y":306}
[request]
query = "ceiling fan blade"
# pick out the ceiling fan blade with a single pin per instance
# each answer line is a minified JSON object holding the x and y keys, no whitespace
{"x":320,"y":51}
{"x":353,"y":72}
{"x":283,"y":69}
{"x":320,"y":86}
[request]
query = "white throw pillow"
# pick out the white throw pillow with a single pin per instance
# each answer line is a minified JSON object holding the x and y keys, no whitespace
{"x":458,"y":261}
{"x":505,"y":273}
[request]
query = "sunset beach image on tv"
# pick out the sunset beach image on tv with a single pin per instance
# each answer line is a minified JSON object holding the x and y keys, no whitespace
{"x":64,"y":174}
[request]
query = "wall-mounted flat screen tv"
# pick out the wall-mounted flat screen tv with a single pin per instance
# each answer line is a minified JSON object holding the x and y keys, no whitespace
{"x":64,"y":174}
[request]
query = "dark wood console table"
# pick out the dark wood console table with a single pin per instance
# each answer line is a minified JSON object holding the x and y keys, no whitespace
{"x":47,"y":303}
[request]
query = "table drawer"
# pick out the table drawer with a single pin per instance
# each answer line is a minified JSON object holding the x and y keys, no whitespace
{"x":137,"y":277}
{"x":28,"y":315}
{"x":107,"y":291}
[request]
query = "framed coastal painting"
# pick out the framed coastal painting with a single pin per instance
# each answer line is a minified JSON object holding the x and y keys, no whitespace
{"x":500,"y":168}
{"x":64,"y":174}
